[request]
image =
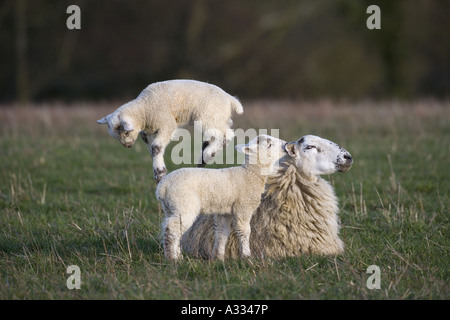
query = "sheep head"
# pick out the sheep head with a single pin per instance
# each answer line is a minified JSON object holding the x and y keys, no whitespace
{"x":315,"y":156}
{"x":263,"y":151}
{"x":120,"y":128}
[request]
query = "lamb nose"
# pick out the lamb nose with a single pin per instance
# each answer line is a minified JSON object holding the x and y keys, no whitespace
{"x":348,"y":157}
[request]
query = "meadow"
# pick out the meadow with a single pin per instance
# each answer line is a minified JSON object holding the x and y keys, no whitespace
{"x":72,"y":195}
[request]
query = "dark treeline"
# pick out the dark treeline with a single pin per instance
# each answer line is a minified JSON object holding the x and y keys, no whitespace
{"x":253,"y":49}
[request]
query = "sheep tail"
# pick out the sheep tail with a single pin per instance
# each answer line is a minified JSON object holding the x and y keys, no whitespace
{"x":236,"y":106}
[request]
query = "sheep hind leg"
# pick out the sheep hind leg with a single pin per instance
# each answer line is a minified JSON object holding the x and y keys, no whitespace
{"x":222,"y":233}
{"x":202,"y":161}
{"x":174,"y":227}
{"x":217,"y":142}
{"x":209,"y":150}
{"x":171,"y":238}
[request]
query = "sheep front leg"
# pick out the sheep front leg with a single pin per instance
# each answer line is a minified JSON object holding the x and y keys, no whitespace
{"x":157,"y":149}
{"x":222,"y":232}
{"x":159,"y":167}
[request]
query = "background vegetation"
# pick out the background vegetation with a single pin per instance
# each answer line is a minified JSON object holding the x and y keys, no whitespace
{"x":253,"y":49}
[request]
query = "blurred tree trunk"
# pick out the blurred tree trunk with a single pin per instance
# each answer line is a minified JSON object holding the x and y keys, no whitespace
{"x":390,"y":47}
{"x":21,"y":52}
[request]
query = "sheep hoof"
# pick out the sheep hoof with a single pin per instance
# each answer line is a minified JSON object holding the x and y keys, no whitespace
{"x":217,"y":257}
{"x":202,"y":165}
{"x":173,"y":257}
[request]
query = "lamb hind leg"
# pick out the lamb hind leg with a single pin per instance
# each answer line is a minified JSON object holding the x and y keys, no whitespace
{"x":174,"y":226}
{"x":171,"y":238}
{"x":216,"y":141}
{"x":222,"y":232}
{"x":202,"y":161}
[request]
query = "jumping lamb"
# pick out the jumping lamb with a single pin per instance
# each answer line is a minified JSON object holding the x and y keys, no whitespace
{"x":230,"y":194}
{"x":162,"y":107}
{"x":298,"y":211}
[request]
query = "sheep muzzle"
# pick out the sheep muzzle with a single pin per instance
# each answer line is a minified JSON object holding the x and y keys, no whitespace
{"x":344,"y":162}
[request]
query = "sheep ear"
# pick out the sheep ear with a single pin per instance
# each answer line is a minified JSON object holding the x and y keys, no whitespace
{"x":290,"y":149}
{"x":241,"y":147}
{"x":244,"y":148}
{"x":103,"y":120}
{"x":127,"y":126}
{"x":247,"y":149}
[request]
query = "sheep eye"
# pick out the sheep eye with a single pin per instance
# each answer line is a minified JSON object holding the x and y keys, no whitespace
{"x":310,"y":147}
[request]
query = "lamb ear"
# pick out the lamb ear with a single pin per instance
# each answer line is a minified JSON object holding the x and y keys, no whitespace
{"x":127,"y":126}
{"x":103,"y":120}
{"x":290,"y":149}
{"x":242,"y":148}
{"x":247,"y":148}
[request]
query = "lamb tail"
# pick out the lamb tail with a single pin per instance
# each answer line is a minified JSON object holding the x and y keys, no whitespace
{"x":237,"y":106}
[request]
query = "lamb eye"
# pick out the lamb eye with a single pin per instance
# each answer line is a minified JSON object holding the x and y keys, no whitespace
{"x":310,"y":147}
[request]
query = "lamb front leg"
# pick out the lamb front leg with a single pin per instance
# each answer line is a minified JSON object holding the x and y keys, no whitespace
{"x":157,"y":148}
{"x":243,"y":230}
{"x":159,"y":167}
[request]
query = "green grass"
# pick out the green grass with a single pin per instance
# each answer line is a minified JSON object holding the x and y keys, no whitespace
{"x":71,"y":195}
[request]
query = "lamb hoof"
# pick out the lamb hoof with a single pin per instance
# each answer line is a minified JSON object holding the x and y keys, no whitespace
{"x":246,"y":257}
{"x":217,"y":257}
{"x":174,"y":257}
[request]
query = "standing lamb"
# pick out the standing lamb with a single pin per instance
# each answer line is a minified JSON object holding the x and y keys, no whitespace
{"x":163,"y":106}
{"x":230,"y":194}
{"x":298,"y":210}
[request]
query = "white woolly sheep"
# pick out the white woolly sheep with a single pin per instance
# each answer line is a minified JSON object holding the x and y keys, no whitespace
{"x":163,"y":106}
{"x":298,"y":211}
{"x":231,"y":194}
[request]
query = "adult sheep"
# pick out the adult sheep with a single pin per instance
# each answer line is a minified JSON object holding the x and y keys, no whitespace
{"x":164,"y":106}
{"x":298,"y":210}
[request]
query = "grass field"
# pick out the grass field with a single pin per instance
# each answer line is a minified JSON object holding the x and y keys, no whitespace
{"x":72,"y":195}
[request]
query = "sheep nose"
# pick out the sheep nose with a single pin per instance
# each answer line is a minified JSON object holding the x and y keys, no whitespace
{"x":348,"y":157}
